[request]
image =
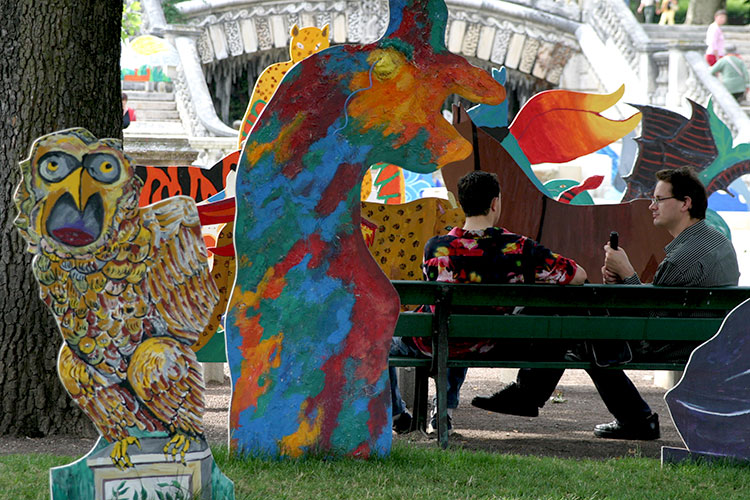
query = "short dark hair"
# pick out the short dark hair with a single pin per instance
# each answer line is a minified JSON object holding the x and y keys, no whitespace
{"x":685,"y":183}
{"x":720,"y":12}
{"x":124,"y":96}
{"x":476,"y":190}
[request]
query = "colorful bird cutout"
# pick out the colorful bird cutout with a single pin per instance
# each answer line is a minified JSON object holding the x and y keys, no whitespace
{"x":129,"y":288}
{"x":554,"y":126}
{"x":311,"y":315}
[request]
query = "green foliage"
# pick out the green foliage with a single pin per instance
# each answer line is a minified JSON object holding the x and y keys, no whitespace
{"x":738,"y":12}
{"x":171,"y":14}
{"x":131,"y":19}
{"x":679,"y":16}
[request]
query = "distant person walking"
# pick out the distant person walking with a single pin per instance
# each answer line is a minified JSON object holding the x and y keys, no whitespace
{"x":733,"y":74}
{"x":647,"y":7}
{"x":667,"y":10}
{"x":715,"y":49}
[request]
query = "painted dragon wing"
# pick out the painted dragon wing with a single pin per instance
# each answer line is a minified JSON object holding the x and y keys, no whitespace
{"x":179,"y":281}
{"x":669,"y":140}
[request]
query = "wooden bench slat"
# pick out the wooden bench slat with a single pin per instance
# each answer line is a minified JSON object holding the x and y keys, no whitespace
{"x":582,"y":327}
{"x":589,"y":295}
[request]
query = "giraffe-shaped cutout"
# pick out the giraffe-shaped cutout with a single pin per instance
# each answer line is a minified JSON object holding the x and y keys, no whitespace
{"x":304,"y":43}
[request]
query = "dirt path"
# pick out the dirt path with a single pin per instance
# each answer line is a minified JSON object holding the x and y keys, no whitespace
{"x":562,"y":429}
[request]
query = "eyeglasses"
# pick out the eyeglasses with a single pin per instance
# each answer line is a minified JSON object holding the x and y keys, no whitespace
{"x":656,"y":200}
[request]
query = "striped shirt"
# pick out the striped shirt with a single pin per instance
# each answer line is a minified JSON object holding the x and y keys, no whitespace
{"x":699,"y":256}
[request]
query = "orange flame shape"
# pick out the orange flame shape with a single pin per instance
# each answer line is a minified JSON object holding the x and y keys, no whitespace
{"x":558,"y":125}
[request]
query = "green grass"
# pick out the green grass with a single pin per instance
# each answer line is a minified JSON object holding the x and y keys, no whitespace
{"x":427,"y":473}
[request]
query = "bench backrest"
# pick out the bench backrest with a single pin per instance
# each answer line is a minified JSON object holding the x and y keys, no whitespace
{"x":636,"y":312}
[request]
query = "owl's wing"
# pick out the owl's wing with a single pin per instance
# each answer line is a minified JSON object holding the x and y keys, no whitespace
{"x":111,"y":407}
{"x":167,"y":378}
{"x":179,"y":281}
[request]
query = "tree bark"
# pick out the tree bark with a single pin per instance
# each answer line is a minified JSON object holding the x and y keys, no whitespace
{"x":59,"y":68}
{"x":702,"y":11}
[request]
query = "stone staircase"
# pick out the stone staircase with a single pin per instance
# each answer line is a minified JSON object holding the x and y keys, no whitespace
{"x":737,"y":39}
{"x":157,"y":136}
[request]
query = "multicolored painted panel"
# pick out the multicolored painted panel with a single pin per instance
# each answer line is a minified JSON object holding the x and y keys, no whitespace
{"x":549,"y":221}
{"x":311,"y":315}
{"x":145,"y":59}
{"x":130,"y":290}
{"x":303,"y":43}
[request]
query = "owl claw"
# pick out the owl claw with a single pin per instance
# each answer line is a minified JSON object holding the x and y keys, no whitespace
{"x":178,"y":444}
{"x":119,"y":454}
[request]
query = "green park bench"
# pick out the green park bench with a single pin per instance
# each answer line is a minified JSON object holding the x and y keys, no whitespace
{"x":569,"y":313}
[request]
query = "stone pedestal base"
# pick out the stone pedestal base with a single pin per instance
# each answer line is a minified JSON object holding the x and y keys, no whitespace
{"x":213,"y":372}
{"x":153,"y":475}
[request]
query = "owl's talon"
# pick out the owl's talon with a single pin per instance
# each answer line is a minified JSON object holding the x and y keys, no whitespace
{"x":119,"y":455}
{"x":178,"y":444}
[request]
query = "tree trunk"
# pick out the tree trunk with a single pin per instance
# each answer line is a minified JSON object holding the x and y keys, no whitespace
{"x":702,"y":11}
{"x":59,"y":68}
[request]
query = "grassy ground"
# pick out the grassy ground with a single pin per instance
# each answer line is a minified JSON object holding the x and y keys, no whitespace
{"x":427,"y":473}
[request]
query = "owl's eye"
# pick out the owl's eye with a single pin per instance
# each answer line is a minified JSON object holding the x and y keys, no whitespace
{"x":54,"y":167}
{"x":102,"y":167}
{"x":300,"y":46}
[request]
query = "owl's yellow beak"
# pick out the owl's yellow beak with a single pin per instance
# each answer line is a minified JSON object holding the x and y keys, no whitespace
{"x":71,"y":184}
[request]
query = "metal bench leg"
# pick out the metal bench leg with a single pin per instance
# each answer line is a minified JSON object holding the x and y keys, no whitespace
{"x":441,"y":319}
{"x":419,"y":403}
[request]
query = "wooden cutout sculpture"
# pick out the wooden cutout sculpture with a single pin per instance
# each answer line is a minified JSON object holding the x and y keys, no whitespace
{"x":669,"y":140}
{"x":303,"y":43}
{"x":710,"y":406}
{"x":402,"y":231}
{"x":311,"y":315}
{"x":533,"y":211}
{"x":202,"y":185}
{"x":130,"y":291}
{"x":388,"y":183}
{"x":197,"y":182}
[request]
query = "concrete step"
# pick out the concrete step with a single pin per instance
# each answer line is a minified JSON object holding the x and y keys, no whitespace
{"x":158,"y":149}
{"x":138,"y":104}
{"x":150,"y":96}
{"x":156,"y":115}
{"x":154,"y":128}
{"x":130,"y":86}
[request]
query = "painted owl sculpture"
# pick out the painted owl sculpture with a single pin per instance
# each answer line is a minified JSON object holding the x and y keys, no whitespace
{"x":311,"y":315}
{"x":129,"y":287}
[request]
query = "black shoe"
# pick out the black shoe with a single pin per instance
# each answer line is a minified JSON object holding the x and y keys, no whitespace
{"x":432,"y":428}
{"x":647,"y":430}
{"x":402,"y":423}
{"x":508,"y":401}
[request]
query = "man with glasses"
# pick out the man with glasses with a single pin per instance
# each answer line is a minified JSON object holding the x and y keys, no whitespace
{"x":697,"y":256}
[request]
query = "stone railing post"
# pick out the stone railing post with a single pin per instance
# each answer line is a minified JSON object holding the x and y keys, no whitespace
{"x":678,"y":74}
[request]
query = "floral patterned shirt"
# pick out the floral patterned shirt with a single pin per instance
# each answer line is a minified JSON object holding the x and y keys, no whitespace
{"x":492,"y":255}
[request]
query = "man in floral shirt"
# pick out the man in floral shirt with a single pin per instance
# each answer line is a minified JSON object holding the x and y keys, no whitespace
{"x":480,"y":252}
